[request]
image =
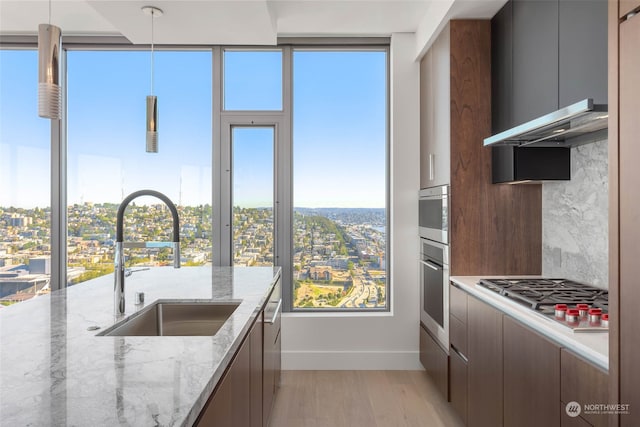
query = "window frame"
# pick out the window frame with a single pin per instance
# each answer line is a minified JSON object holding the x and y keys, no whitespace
{"x":284,"y":150}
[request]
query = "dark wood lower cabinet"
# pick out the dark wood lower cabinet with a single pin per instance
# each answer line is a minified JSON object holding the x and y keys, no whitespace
{"x":272,"y":352}
{"x":245,"y":394}
{"x":531,"y":378}
{"x":435,"y":361}
{"x":458,"y":384}
{"x":567,"y":421}
{"x":485,"y":398}
{"x":229,"y":405}
{"x":582,"y":382}
{"x":512,"y":376}
{"x":257,"y":352}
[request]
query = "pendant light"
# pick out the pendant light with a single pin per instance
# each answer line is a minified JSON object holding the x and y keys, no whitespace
{"x":49,"y":90}
{"x":152,"y":100}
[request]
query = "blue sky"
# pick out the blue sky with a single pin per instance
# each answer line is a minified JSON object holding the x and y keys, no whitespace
{"x":339,"y":127}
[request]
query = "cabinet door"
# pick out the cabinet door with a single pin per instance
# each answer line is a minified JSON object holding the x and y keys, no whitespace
{"x":435,"y":361}
{"x":271,"y":378}
{"x":426,"y":120}
{"x":583,"y":51}
{"x":435,"y":117}
{"x":629,"y":218}
{"x":228,"y":406}
{"x":531,"y":378}
{"x":442,"y":108}
{"x":458,"y":384}
{"x":535,"y":59}
{"x":485,"y":364}
{"x":257,"y":349}
{"x":584,"y":383}
{"x":627,"y":6}
{"x":502,"y":69}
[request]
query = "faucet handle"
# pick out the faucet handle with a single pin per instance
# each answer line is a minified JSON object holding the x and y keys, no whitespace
{"x":129,"y":271}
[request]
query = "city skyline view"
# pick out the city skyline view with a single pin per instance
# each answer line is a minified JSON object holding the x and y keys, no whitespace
{"x":336,"y":163}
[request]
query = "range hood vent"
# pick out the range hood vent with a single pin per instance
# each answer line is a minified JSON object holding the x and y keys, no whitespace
{"x":577,"y":124}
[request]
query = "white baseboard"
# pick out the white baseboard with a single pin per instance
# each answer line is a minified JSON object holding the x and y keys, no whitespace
{"x":350,"y":360}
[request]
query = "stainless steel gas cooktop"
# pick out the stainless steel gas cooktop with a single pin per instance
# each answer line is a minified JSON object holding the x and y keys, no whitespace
{"x":580,"y":307}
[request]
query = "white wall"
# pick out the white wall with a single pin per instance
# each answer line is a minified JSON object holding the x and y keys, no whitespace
{"x":388,"y":340}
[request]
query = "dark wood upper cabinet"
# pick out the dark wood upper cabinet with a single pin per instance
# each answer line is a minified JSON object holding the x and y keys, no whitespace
{"x":545,"y":55}
{"x":502,"y":69}
{"x":531,"y":378}
{"x":583,"y":51}
{"x":535,"y":59}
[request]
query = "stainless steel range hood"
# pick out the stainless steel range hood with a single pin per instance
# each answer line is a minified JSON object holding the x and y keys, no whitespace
{"x":577,"y":124}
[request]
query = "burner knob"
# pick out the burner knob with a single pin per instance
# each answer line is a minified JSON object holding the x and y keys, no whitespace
{"x":573,"y":316}
{"x":595,"y":316}
{"x":561,"y":311}
{"x":583,"y":309}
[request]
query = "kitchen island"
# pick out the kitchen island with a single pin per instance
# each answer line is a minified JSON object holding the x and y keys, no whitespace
{"x":55,"y":370}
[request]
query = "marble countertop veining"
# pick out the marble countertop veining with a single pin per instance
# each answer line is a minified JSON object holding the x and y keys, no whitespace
{"x":55,"y":372}
{"x":593,"y":346}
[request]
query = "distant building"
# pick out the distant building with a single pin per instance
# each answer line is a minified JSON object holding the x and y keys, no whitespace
{"x":321,"y":272}
{"x":16,"y":284}
{"x":16,"y":220}
{"x":40,"y":265}
{"x":339,"y":263}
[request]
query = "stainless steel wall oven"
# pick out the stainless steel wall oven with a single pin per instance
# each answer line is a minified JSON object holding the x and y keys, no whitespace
{"x":434,"y":290}
{"x":434,"y":262}
{"x":433,"y":214}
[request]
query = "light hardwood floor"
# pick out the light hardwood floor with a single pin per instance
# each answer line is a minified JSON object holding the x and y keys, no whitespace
{"x":360,"y":398}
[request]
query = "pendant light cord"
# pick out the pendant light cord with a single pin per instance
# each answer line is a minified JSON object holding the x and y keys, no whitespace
{"x":49,"y":12}
{"x":152,"y":17}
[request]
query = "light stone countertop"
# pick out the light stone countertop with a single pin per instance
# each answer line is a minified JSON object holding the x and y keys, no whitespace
{"x":592,"y":346}
{"x":54,"y":372}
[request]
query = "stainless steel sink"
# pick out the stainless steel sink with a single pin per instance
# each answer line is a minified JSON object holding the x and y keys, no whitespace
{"x":175,"y":319}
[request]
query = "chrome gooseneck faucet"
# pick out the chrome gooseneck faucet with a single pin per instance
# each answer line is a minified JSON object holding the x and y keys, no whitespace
{"x":120,"y":245}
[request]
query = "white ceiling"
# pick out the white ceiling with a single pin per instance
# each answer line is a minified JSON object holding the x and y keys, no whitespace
{"x":238,"y":22}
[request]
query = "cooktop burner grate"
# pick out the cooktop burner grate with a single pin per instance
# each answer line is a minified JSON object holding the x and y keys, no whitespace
{"x":543,"y":294}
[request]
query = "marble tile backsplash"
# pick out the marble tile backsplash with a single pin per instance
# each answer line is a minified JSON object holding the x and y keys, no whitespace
{"x":575,"y":219}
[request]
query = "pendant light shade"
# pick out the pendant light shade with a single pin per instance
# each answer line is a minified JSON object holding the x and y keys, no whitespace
{"x":152,"y":100}
{"x":152,"y":124}
{"x":49,"y":90}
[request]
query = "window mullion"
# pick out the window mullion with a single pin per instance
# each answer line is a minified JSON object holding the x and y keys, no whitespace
{"x":59,"y":190}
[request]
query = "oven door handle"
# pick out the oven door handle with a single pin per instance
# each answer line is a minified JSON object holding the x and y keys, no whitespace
{"x":431,"y":265}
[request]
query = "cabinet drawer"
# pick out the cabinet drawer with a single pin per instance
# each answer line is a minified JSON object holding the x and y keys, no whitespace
{"x":458,"y":303}
{"x":582,"y":382}
{"x":458,"y":335}
{"x":458,"y":385}
{"x":567,"y":421}
{"x":627,"y":6}
{"x":435,"y":361}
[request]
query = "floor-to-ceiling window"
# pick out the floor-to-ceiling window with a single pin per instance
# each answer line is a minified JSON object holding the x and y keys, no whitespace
{"x":274,"y":156}
{"x":107,"y":159}
{"x":25,"y":184}
{"x":340,"y":179}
